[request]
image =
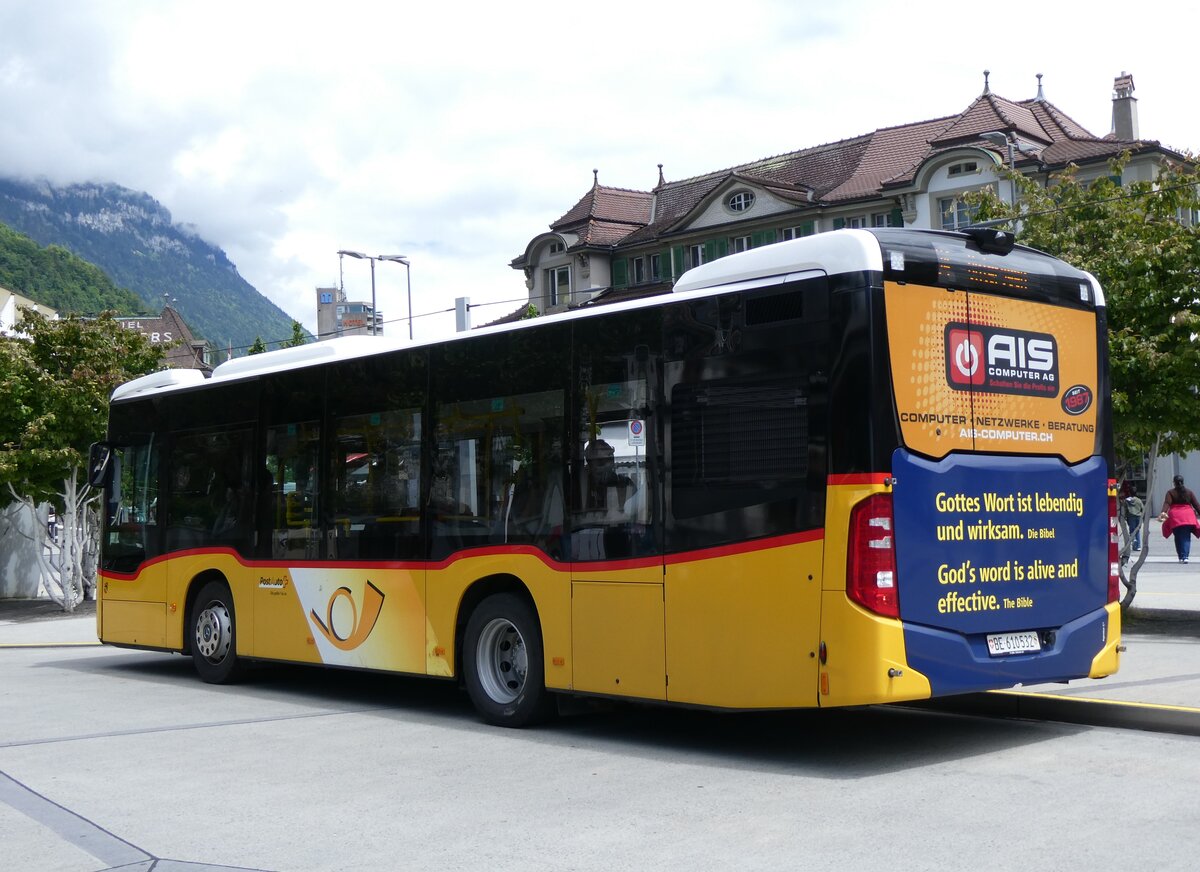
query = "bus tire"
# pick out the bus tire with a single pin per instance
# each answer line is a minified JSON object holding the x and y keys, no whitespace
{"x":213,"y":634}
{"x":503,"y":663}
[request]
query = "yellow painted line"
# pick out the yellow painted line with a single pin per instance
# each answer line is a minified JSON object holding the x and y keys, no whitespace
{"x":1153,"y":706}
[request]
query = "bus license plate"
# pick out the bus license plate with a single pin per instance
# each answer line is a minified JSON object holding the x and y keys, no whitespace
{"x":1003,"y":644}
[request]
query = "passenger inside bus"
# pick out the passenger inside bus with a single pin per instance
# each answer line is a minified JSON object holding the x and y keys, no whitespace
{"x":607,"y":490}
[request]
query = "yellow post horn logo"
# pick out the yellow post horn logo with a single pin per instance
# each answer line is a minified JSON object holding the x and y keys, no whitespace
{"x":359,"y":629}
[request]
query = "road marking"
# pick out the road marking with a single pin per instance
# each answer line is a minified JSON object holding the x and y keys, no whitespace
{"x":69,"y":826}
{"x":1154,"y":706}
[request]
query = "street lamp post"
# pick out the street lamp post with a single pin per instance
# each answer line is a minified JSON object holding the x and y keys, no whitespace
{"x":399,"y":258}
{"x":391,"y":258}
{"x":999,"y":138}
{"x":358,"y":255}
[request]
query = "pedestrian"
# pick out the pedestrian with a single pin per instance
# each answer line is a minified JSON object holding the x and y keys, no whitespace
{"x":1133,"y":508}
{"x":1178,"y":515}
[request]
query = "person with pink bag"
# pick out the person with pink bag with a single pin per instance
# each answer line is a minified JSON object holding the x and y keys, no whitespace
{"x":1178,"y":517}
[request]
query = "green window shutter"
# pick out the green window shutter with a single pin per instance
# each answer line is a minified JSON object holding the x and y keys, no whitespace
{"x":839,"y":223}
{"x":721,"y":246}
{"x":676,"y":256}
{"x":762,"y":237}
{"x":808,"y":228}
{"x":896,"y":218}
{"x":620,"y":272}
{"x":1116,"y":180}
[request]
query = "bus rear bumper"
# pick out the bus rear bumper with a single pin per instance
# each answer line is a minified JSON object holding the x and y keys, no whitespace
{"x":957,"y":663}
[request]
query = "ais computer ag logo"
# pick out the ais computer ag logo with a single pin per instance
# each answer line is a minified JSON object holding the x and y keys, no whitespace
{"x":1001,"y":360}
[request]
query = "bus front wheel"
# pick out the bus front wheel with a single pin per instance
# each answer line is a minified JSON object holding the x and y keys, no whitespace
{"x":214,"y":644}
{"x":503,"y":663}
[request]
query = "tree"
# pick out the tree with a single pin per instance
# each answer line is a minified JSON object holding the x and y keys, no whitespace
{"x":259,"y":347}
{"x":58,"y":384}
{"x":298,"y":337}
{"x":1141,"y":240}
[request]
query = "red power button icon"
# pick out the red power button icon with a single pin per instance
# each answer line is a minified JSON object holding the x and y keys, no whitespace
{"x":964,"y":357}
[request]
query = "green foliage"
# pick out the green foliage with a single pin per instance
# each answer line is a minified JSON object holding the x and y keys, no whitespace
{"x":1147,"y":260}
{"x":56,"y":278}
{"x":58,"y":384}
{"x":259,"y":347}
{"x":531,"y":311}
{"x":298,"y":337}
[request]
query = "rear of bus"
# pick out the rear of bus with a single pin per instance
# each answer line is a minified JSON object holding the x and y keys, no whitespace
{"x":979,"y":551}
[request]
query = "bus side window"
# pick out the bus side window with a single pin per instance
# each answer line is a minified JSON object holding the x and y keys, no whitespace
{"x":375,"y":483}
{"x":211,"y":491}
{"x":292,"y":452}
{"x":614,"y":501}
{"x":498,"y":442}
{"x":498,"y":472}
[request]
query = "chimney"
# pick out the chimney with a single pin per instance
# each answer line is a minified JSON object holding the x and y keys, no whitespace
{"x":1124,"y":116}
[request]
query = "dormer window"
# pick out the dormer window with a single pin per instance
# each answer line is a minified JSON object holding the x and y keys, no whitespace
{"x":557,"y":248}
{"x":961,"y":169}
{"x":739,"y":201}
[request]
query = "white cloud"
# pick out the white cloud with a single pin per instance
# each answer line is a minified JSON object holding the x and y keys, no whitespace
{"x":452,"y":134}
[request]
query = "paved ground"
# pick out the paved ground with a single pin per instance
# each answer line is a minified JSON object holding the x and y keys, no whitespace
{"x":1157,"y":687}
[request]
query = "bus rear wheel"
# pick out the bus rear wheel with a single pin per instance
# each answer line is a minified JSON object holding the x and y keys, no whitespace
{"x":213,"y":628}
{"x":503,"y":663}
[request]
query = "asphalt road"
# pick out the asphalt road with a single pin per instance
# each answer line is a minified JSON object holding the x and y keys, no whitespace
{"x":112,"y":758}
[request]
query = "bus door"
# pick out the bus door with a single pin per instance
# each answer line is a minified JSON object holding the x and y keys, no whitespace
{"x":615,"y":509}
{"x":1001,"y":486}
{"x":133,"y":607}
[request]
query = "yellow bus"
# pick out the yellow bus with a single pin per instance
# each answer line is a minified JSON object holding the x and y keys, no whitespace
{"x":859,"y":467}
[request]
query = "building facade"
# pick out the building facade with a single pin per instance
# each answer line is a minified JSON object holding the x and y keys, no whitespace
{"x":337,"y":316}
{"x":618,"y":243}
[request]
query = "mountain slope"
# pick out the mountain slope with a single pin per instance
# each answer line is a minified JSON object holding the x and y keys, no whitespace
{"x":131,"y":236}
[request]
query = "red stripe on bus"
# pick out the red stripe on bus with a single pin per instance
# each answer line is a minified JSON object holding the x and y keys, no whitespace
{"x":858,"y":478}
{"x":747,"y":547}
{"x":492,"y":551}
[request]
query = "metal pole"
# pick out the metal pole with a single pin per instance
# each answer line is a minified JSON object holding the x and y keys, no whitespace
{"x":372,"y":294}
{"x":408,"y":275}
{"x":1012,"y":183}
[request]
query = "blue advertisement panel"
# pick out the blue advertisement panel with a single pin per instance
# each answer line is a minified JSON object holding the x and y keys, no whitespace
{"x":998,"y":544}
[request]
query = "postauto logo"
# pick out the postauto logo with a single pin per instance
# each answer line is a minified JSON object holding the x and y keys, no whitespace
{"x":1001,"y":360}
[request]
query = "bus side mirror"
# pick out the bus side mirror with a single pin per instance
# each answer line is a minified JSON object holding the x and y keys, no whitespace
{"x":99,"y":458}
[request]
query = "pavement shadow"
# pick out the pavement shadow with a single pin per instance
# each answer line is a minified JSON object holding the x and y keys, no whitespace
{"x":837,"y":744}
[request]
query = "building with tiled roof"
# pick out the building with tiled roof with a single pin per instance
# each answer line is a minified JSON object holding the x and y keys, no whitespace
{"x":183,"y":350}
{"x":618,"y":243}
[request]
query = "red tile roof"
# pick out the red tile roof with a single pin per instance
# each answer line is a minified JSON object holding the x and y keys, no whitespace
{"x":860,"y":168}
{"x":614,"y":205}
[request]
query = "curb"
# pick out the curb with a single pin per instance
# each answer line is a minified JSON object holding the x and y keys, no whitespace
{"x":96,"y":644}
{"x":1151,"y":717}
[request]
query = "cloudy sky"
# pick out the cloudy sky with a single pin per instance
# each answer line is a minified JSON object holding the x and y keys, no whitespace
{"x":454,"y":132}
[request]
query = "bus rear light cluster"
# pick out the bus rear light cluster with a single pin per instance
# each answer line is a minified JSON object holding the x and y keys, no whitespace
{"x":1114,"y":567}
{"x":871,"y":560}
